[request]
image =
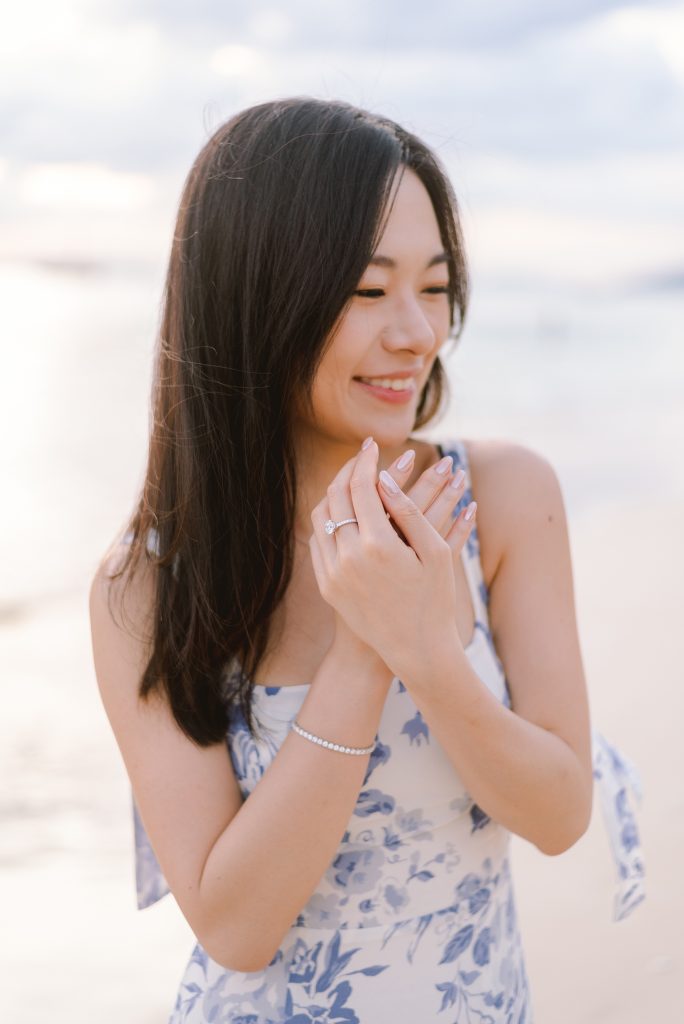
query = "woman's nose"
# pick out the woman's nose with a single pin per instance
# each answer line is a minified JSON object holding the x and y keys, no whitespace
{"x":409,"y":327}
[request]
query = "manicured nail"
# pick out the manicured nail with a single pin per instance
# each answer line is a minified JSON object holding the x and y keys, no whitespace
{"x":458,"y":480}
{"x":367,"y":442}
{"x":388,"y":483}
{"x":470,"y":511}
{"x":444,"y":465}
{"x":406,"y":459}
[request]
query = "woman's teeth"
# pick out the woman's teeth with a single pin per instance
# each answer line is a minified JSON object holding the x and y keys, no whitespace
{"x":395,"y":383}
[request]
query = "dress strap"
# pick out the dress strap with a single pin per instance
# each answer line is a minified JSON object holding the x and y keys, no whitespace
{"x":470,"y":556}
{"x":151,"y":543}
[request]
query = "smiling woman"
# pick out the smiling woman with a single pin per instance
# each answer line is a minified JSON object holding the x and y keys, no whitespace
{"x":345,"y":685}
{"x":387,"y":339}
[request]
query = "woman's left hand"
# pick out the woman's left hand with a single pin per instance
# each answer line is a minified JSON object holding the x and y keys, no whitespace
{"x":412,"y":598}
{"x":436,"y":492}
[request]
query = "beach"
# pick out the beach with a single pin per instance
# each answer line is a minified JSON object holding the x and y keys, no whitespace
{"x":595,"y":382}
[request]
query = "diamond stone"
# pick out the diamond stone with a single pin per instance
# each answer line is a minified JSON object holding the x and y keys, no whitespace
{"x":329,"y":526}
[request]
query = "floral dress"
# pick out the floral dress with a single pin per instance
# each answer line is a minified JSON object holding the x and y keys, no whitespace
{"x":415,"y":917}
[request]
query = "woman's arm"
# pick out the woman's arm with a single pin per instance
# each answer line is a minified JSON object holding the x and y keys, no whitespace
{"x":240,"y":871}
{"x":528,"y":767}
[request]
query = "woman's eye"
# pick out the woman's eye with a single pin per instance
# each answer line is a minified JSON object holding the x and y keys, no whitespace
{"x":375,"y":293}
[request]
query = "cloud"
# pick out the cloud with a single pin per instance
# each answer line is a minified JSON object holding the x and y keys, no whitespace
{"x":358,"y":24}
{"x":83,"y":186}
{"x":525,"y":79}
{"x":571,"y":108}
{"x":532,"y":242}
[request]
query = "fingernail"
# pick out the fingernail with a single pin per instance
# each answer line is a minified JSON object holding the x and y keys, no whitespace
{"x":406,"y":459}
{"x":388,"y":483}
{"x":470,"y":511}
{"x":458,"y":480}
{"x":444,"y":465}
{"x":367,"y":442}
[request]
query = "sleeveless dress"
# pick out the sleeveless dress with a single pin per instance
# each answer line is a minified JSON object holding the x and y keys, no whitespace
{"x":415,"y":917}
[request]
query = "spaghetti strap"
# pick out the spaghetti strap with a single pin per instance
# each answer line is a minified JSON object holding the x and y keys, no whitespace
{"x":470,"y":555}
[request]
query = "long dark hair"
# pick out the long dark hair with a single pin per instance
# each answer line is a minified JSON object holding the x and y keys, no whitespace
{"x":278,"y":219}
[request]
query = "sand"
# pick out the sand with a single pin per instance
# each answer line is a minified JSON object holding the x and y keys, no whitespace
{"x":74,"y":948}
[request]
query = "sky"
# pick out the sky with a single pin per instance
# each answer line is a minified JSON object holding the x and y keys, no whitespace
{"x":561,"y":124}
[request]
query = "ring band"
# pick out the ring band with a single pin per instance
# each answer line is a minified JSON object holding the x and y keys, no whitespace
{"x":330,"y":525}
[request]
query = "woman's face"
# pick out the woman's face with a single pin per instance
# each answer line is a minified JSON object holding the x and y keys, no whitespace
{"x":395,"y":324}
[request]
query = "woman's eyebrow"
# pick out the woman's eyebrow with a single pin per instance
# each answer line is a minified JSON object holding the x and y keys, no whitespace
{"x":387,"y":261}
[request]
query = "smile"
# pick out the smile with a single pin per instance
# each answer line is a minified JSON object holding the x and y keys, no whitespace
{"x":397,"y":390}
{"x":396,"y":383}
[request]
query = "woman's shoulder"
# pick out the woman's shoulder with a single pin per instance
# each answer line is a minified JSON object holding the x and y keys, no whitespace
{"x":121,"y":610}
{"x":116,"y":573}
{"x":497,"y":462}
{"x":506,"y":477}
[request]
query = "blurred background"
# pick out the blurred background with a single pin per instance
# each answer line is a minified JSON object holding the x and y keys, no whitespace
{"x":562,"y":127}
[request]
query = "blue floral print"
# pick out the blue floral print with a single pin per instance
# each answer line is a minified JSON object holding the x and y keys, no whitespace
{"x":372,"y":801}
{"x":150,"y":883}
{"x":416,"y":729}
{"x":618,"y":778}
{"x":478,"y":817}
{"x":415,"y":917}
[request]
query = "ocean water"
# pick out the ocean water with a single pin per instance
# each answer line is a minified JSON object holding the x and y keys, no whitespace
{"x":592,"y":380}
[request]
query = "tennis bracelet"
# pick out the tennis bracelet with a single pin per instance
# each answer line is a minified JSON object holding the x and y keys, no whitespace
{"x":329,"y":744}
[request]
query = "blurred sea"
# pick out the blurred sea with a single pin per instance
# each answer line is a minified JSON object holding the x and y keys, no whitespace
{"x":592,"y":379}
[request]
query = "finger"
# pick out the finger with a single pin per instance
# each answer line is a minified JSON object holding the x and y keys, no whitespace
{"x":400,"y":470}
{"x":440,"y":513}
{"x":327,"y":545}
{"x":461,"y":528}
{"x":430,"y":481}
{"x":402,"y":467}
{"x":338,"y":506}
{"x":317,"y":561}
{"x":368,"y":507}
{"x":419,"y":533}
{"x":432,"y":491}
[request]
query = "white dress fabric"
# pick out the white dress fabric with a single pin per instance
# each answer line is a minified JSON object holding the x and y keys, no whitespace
{"x":415,"y":917}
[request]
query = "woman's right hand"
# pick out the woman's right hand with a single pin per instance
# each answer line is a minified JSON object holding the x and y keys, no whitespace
{"x":349,"y":649}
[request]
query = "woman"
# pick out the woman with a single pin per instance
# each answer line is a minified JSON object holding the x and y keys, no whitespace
{"x":317,"y":614}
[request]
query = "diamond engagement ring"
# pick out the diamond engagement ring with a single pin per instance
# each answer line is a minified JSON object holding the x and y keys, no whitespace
{"x":330,"y":525}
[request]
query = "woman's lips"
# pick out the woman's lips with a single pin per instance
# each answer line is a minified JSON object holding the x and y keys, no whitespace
{"x":389,"y":394}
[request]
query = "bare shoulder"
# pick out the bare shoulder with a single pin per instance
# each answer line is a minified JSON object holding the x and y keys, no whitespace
{"x":514,"y":486}
{"x":121,"y":611}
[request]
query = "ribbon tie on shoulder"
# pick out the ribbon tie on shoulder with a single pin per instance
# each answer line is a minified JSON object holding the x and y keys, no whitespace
{"x":617,"y":777}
